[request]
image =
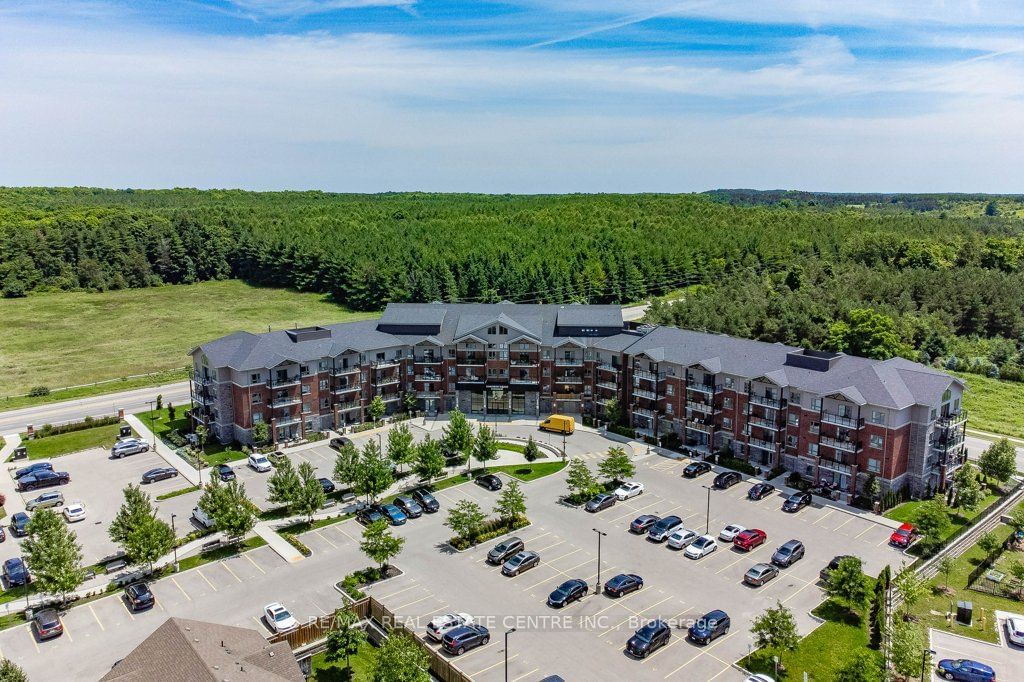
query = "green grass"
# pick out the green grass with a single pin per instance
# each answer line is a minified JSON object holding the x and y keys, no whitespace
{"x":520,"y":448}
{"x":175,"y":493}
{"x":530,"y":472}
{"x":112,"y":386}
{"x":994,"y":405}
{"x":66,"y":443}
{"x":159,"y":421}
{"x":136,"y":331}
{"x":958,"y":518}
{"x":361,"y":671}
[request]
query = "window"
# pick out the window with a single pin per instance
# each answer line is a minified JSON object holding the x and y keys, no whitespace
{"x":812,"y":449}
{"x":524,"y":346}
{"x":323,"y":384}
{"x":254,"y":378}
{"x":816,"y":405}
{"x":728,"y":382}
{"x":257,"y":417}
{"x":451,"y":371}
{"x":306,"y":408}
{"x":670,"y":389}
{"x":727,"y":402}
{"x":492,"y":330}
{"x":502,"y":330}
{"x":794,"y":418}
{"x":451,"y":352}
{"x":668,"y":406}
{"x":794,"y":398}
{"x":844,"y":410}
{"x":946,"y":395}
{"x":257,"y":398}
{"x":323,"y":366}
{"x":877,"y":417}
{"x":726,"y":423}
{"x":933,"y":416}
{"x":546,"y":354}
{"x":325,"y":404}
{"x":305,"y":389}
{"x":303,"y":370}
{"x":791,"y":441}
{"x":409,"y":370}
{"x":874,"y":465}
{"x":380,"y":357}
{"x":876,"y":441}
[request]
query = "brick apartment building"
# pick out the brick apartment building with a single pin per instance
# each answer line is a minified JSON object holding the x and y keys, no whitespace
{"x":832,"y":417}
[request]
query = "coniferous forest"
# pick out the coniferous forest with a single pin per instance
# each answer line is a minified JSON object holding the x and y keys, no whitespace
{"x":942,"y":274}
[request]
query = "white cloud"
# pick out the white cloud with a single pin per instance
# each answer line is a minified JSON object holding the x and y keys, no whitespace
{"x":306,"y":7}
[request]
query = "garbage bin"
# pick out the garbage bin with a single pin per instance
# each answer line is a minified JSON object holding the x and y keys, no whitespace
{"x":964,"y":612}
{"x":126,"y":431}
{"x":20,"y":452}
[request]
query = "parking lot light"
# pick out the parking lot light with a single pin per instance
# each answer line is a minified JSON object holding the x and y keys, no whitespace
{"x":507,"y":633}
{"x":175,"y":533}
{"x":600,"y":534}
{"x":707,"y":523}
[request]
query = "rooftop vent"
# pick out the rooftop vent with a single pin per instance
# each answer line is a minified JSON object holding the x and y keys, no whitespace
{"x":814,"y":360}
{"x":308,"y":334}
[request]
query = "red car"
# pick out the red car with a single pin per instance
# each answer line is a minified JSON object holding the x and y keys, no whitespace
{"x":749,"y":539}
{"x":904,"y":535}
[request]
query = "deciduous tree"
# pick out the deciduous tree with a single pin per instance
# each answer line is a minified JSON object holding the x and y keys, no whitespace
{"x":617,"y":466}
{"x":485,"y":446}
{"x":846,"y":583}
{"x":580,"y":480}
{"x":457,"y":436}
{"x":346,"y":465}
{"x":376,"y":409}
{"x":401,"y":660}
{"x":511,"y":504}
{"x":932,"y":520}
{"x":228,"y":506}
{"x":999,"y":460}
{"x":310,"y":496}
{"x":379,"y":544}
{"x":53,"y":554}
{"x":429,"y":460}
{"x":344,"y":639}
{"x":968,"y":491}
{"x":283,"y":485}
{"x":464,"y":519}
{"x":775,"y":629}
{"x":374,"y":474}
{"x":907,"y":643}
{"x":400,"y":445}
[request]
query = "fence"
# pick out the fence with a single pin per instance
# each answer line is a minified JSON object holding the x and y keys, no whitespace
{"x":980,"y":580}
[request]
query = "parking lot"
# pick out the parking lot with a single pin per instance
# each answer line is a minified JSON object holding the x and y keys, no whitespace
{"x":1004,"y":658}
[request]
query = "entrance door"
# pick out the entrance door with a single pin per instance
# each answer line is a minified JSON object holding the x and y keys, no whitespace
{"x":476,"y":403}
{"x":518,"y":403}
{"x":497,"y":401}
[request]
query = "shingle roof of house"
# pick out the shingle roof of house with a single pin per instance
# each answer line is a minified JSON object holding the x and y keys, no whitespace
{"x":193,"y":651}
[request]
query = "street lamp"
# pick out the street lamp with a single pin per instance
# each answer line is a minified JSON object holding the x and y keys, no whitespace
{"x":600,"y":534}
{"x":924,"y":661}
{"x":507,"y":633}
{"x":174,"y":532}
{"x":152,"y":421}
{"x":707,"y":524}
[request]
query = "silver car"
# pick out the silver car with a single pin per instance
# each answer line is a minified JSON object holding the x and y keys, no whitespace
{"x":523,"y":561}
{"x":52,"y":499}
{"x":128,"y":446}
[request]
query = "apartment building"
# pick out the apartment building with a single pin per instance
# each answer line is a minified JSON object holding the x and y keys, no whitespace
{"x":832,"y":417}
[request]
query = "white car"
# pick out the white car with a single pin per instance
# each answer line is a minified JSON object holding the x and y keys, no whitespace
{"x":201,"y":517}
{"x":438,"y":626}
{"x":682,"y":538}
{"x":74,"y":512}
{"x":701,"y":547}
{"x":628,"y":490}
{"x":730,"y":532}
{"x":1015,"y":629}
{"x":260,"y":463}
{"x":278,"y":618}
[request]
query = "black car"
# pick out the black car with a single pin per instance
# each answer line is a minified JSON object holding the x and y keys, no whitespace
{"x":623,"y":584}
{"x":796,"y":502}
{"x":426,"y":500}
{"x":225,"y":472}
{"x":15,"y":572}
{"x":760,"y":490}
{"x":648,"y":638}
{"x":643,"y":523}
{"x":368,"y":515}
{"x":833,"y":565}
{"x":489,"y":481}
{"x":43,"y":478}
{"x":567,"y":592}
{"x":710,"y":627}
{"x":340,"y":442}
{"x":327,"y":484}
{"x":505,"y":550}
{"x":695,"y":469}
{"x":47,"y":624}
{"x":139,"y":596}
{"x":159,"y":474}
{"x":410,"y":506}
{"x":727,"y":479}
{"x":18,"y":523}
{"x":463,"y":638}
{"x":602,"y":501}
{"x":3,"y":534}
{"x":32,"y":468}
{"x":788,"y":554}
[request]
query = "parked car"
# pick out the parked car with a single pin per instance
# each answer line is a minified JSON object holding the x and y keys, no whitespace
{"x":368,"y":515}
{"x":279,"y":618}
{"x":759,"y":491}
{"x":32,"y":468}
{"x":965,"y":670}
{"x":643,"y":523}
{"x":50,"y":499}
{"x":701,"y":547}
{"x":426,"y":500}
{"x":682,"y":538}
{"x":408,"y":505}
{"x":904,"y":535}
{"x":788,"y":554}
{"x":159,"y":474}
{"x":568,"y":592}
{"x":559,"y":423}
{"x":599,"y":502}
{"x":648,"y":639}
{"x":19,"y":520}
{"x":628,"y":490}
{"x":695,"y":469}
{"x":505,"y":550}
{"x":623,"y":584}
{"x":201,"y":517}
{"x":796,"y":502}
{"x":523,"y":561}
{"x":139,"y":596}
{"x":440,"y":625}
{"x":74,"y":512}
{"x":727,"y":479}
{"x":710,"y":627}
{"x":47,"y":624}
{"x":259,"y":463}
{"x":225,"y":472}
{"x":395,"y":516}
{"x":833,"y":565}
{"x":749,"y":539}
{"x":43,"y":479}
{"x":1015,"y":629}
{"x":3,"y":534}
{"x":15,"y":572}
{"x":489,"y":481}
{"x":730,"y":532}
{"x":660,"y":531}
{"x":463,"y":638}
{"x":340,"y":442}
{"x":759,"y":574}
{"x":128,"y":446}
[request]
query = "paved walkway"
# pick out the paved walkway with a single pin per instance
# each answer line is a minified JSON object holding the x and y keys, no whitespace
{"x":187,"y":471}
{"x":7,"y":486}
{"x":277,"y":543}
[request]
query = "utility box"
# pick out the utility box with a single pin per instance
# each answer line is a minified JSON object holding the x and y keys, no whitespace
{"x":20,"y":452}
{"x":126,"y":431}
{"x":964,"y":612}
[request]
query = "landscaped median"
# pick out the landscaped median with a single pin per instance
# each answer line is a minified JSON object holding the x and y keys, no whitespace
{"x":49,"y":441}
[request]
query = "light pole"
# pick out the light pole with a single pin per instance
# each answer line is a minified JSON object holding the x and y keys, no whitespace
{"x":152,"y":421}
{"x":507,"y":633}
{"x":707,"y":523}
{"x":175,"y":533}
{"x":924,"y":661}
{"x":600,"y":534}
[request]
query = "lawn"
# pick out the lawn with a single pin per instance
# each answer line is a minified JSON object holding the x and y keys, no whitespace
{"x":994,"y":405}
{"x":137,"y":331}
{"x":361,"y":671}
{"x":66,"y":443}
{"x":159,"y":421}
{"x":529,"y":472}
{"x":958,"y":518}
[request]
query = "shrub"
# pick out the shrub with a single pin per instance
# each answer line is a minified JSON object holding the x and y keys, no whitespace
{"x":38,"y":391}
{"x":314,"y":436}
{"x":352,"y":582}
{"x":737,"y":464}
{"x":622,"y":430}
{"x":175,"y":438}
{"x":87,"y":423}
{"x":489,"y":530}
{"x":297,"y":544}
{"x":776,"y":472}
{"x":3,"y":499}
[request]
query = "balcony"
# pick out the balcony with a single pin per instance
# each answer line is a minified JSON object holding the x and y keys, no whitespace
{"x":609,"y":385}
{"x":281,"y":382}
{"x":702,"y":408}
{"x":763,"y":444}
{"x":285,"y":402}
{"x":952,"y":421}
{"x":643,"y":412}
{"x":429,"y":377}
{"x":523,"y":381}
{"x":765,"y":423}
{"x":287,"y":421}
{"x":605,"y":367}
{"x":427,"y":361}
{"x":524,"y":363}
{"x":428,"y":395}
{"x":694,"y":425}
{"x":204,"y":399}
{"x":706,"y":389}
{"x":765,"y":401}
{"x":382,"y":364}
{"x":341,"y":371}
{"x":568,"y":362}
{"x":568,"y":380}
{"x":390,"y":397}
{"x":648,"y":376}
{"x":567,"y":396}
{"x":844,"y":445}
{"x":836,"y":465}
{"x":641,"y":393}
{"x":386,"y":381}
{"x":469,"y":379}
{"x":346,"y":407}
{"x":472,"y":362}
{"x":840,"y":420}
{"x":346,"y":389}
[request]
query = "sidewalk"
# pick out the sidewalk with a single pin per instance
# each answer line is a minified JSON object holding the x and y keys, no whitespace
{"x":277,"y":543}
{"x":189,"y":472}
{"x":780,"y":483}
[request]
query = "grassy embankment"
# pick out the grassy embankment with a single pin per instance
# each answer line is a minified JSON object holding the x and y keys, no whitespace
{"x":994,"y":405}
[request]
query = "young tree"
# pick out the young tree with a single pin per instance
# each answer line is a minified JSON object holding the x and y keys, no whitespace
{"x":865,"y":666}
{"x":613,"y":411}
{"x":968,"y":490}
{"x":400,"y":446}
{"x":872,"y":487}
{"x":910,"y":586}
{"x":346,"y":465}
{"x":999,"y":461}
{"x":933,"y":523}
{"x":846,"y":583}
{"x":202,"y":435}
{"x":283,"y":485}
{"x":457,"y":436}
{"x":775,"y":629}
{"x":531,"y":452}
{"x":53,"y":554}
{"x":485,"y":447}
{"x":142,"y":536}
{"x":260,"y":433}
{"x":376,"y":409}
{"x":159,"y":401}
{"x":464,"y":519}
{"x":1017,"y":518}
{"x":310,"y":496}
{"x":616,"y":466}
{"x":946,"y":565}
{"x":379,"y":544}
{"x":907,"y":643}
{"x":429,"y":460}
{"x":11,"y":672}
{"x":229,"y":508}
{"x":989,"y":542}
{"x":580,"y":480}
{"x":344,"y":639}
{"x":1016,"y":569}
{"x":374,"y":474}
{"x":171,"y":411}
{"x":400,"y":659}
{"x":511,"y":504}
{"x":409,"y":402}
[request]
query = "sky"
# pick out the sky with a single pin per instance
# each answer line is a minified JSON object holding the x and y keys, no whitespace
{"x":518,"y":96}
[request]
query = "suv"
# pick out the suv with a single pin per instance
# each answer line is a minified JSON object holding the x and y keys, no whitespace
{"x":760,"y":490}
{"x":695,"y":469}
{"x":225,"y":472}
{"x":18,"y":522}
{"x":749,"y":539}
{"x":128,"y":446}
{"x":904,"y":535}
{"x":833,"y":565}
{"x":139,"y":596}
{"x":648,"y":638}
{"x":259,"y":463}
{"x":788,"y":553}
{"x":52,"y":499}
{"x":441,"y":625}
{"x":368,"y":515}
{"x":602,"y":501}
{"x":47,"y":624}
{"x":796,"y":502}
{"x":710,"y":627}
{"x":15,"y":572}
{"x":489,"y":481}
{"x":426,"y":500}
{"x":408,"y":505}
{"x":727,"y":479}
{"x":340,"y":442}
{"x":505,"y":550}
{"x":465,"y":637}
{"x":660,"y":531}
{"x":643,"y":523}
{"x":201,"y":517}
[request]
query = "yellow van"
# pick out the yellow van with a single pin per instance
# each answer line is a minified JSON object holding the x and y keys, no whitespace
{"x":559,"y":424}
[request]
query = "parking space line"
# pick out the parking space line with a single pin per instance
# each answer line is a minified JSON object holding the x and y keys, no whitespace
{"x":616,"y":602}
{"x":633,"y":613}
{"x":32,"y":636}
{"x":579,"y":549}
{"x":806,"y":585}
{"x":258,"y":567}
{"x":97,"y":618}
{"x":495,"y":665}
{"x":635,"y":511}
{"x":126,"y":609}
{"x":228,"y":569}
{"x":203,"y":576}
{"x":698,"y":655}
{"x":393,"y":594}
{"x":741,"y":558}
{"x":429,"y":596}
{"x":516,"y":679}
{"x":857,"y":536}
{"x":726,"y":669}
{"x":534,"y":539}
{"x":324,"y":538}
{"x":489,"y":645}
{"x":585,"y":561}
{"x":824,"y":516}
{"x":843,"y":524}
{"x":342,"y":531}
{"x":547,"y":547}
{"x":180,"y":588}
{"x":884,"y":541}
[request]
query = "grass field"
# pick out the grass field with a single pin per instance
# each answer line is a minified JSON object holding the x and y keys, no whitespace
{"x":994,"y":405}
{"x":361,"y":671}
{"x":159,"y":421}
{"x":66,"y":443}
{"x":100,"y":336}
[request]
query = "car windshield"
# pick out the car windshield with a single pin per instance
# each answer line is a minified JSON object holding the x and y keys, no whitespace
{"x":427,"y":497}
{"x":796,"y":497}
{"x":785,"y":550}
{"x":902,"y":531}
{"x":281,"y":615}
{"x":701,"y":543}
{"x":645,"y":633}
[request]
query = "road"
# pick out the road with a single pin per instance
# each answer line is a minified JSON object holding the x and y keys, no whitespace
{"x":135,"y":400}
{"x":977,"y":445}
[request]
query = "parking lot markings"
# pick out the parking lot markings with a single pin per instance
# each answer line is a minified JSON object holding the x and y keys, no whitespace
{"x":97,"y":618}
{"x":203,"y":576}
{"x":726,"y":669}
{"x":126,"y":609}
{"x":857,"y":537}
{"x":393,"y":594}
{"x":67,"y":632}
{"x":180,"y":588}
{"x":495,"y":665}
{"x":228,"y":569}
{"x":635,"y":510}
{"x":342,"y":531}
{"x":516,"y":679}
{"x":258,"y":567}
{"x":824,"y":516}
{"x":547,"y":547}
{"x":325,"y":539}
{"x":804,"y":587}
{"x":700,"y":653}
{"x":32,"y":636}
{"x":403,"y":606}
{"x":736,"y":561}
{"x":843,"y":524}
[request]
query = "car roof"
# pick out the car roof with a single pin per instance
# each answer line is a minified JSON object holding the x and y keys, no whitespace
{"x":670,"y":519}
{"x":717,"y":614}
{"x":791,"y":543}
{"x":906,"y":526}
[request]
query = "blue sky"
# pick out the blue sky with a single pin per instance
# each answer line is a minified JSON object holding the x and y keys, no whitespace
{"x":515,"y":96}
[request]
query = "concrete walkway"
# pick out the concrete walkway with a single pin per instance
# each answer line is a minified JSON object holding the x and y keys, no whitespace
{"x":187,"y":471}
{"x":277,"y":543}
{"x":7,"y":485}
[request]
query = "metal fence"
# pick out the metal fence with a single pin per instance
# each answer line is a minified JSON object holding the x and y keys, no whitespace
{"x":987,"y":578}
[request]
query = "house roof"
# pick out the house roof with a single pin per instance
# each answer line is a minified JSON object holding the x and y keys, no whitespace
{"x":193,"y":651}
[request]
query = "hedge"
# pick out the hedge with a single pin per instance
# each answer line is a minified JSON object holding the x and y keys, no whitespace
{"x":740,"y":465}
{"x":489,"y":530}
{"x":87,"y":423}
